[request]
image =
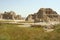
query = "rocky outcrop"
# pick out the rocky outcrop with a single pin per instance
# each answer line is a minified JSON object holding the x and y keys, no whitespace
{"x":10,"y":15}
{"x":30,"y":17}
{"x":44,"y":15}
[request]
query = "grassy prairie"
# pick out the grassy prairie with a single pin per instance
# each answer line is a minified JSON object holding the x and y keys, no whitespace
{"x":13,"y":32}
{"x":2,"y":21}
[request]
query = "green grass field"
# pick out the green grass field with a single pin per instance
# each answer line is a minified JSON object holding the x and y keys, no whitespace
{"x":13,"y":32}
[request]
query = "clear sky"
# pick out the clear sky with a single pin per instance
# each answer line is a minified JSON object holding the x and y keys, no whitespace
{"x":25,"y":7}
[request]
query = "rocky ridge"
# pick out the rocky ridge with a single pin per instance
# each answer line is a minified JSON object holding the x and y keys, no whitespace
{"x":44,"y":15}
{"x":10,"y":15}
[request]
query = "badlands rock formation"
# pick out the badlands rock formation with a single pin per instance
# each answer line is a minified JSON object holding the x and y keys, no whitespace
{"x":44,"y":15}
{"x":10,"y":15}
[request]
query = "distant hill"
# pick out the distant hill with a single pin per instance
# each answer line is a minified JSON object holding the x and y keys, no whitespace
{"x":10,"y":15}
